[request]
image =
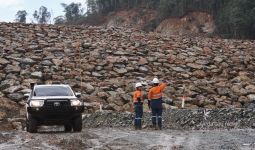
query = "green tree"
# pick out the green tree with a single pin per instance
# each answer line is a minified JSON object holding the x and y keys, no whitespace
{"x":43,"y":15}
{"x":73,"y":12}
{"x":236,"y":19}
{"x":92,"y":6}
{"x":21,"y":16}
{"x":59,"y":20}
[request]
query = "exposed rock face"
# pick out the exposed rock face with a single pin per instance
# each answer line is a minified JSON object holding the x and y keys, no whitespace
{"x":192,"y":23}
{"x":215,"y":72}
{"x":137,"y":18}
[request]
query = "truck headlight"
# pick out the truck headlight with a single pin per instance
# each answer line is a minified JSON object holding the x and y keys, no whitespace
{"x":76,"y":102}
{"x":36,"y":103}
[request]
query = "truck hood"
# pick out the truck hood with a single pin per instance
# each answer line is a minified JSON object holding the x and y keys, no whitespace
{"x":52,"y":97}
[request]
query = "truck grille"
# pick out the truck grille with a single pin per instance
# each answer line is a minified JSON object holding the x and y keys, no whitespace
{"x":57,"y":103}
{"x":57,"y":106}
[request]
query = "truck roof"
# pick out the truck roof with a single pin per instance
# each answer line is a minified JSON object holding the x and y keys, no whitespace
{"x":66,"y":85}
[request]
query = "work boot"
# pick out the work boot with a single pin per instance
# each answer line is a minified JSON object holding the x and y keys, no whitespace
{"x":160,"y":122}
{"x":154,"y":127}
{"x":139,"y":126}
{"x":136,"y":127}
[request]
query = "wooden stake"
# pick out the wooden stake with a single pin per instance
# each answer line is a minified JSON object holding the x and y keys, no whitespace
{"x":183,"y":101}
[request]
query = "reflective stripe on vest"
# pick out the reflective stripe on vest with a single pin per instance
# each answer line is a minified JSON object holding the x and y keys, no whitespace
{"x":156,"y":96}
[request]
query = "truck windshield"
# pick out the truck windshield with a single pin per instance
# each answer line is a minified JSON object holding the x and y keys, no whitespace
{"x":53,"y":91}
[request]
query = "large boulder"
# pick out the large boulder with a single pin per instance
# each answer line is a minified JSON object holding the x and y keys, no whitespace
{"x":250,"y":89}
{"x":4,"y":61}
{"x":27,"y":61}
{"x":37,"y":74}
{"x":12,"y":69}
{"x":16,"y":97}
{"x":120,"y":70}
{"x":12,"y":89}
{"x":46,"y":63}
{"x":143,"y":61}
{"x":251,"y":97}
{"x":88,"y":88}
{"x":223,"y":91}
{"x":7,"y":84}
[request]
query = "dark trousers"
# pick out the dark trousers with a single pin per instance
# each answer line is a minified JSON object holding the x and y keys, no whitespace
{"x":138,"y":115}
{"x":157,"y":109}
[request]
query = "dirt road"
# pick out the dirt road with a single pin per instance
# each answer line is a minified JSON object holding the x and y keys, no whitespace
{"x":126,"y":139}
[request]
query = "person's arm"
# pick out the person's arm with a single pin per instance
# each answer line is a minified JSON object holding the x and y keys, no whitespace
{"x":149,"y":95}
{"x":135,"y":96}
{"x":163,"y":86}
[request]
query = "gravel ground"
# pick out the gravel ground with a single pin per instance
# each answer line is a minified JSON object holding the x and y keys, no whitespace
{"x":126,"y":139}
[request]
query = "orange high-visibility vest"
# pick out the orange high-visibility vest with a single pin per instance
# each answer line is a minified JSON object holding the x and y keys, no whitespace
{"x":156,"y":92}
{"x":137,"y":94}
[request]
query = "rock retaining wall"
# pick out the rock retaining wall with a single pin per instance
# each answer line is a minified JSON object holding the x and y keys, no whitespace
{"x":215,"y":72}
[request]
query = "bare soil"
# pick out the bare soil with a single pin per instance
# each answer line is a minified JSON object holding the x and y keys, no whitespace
{"x":126,"y":139}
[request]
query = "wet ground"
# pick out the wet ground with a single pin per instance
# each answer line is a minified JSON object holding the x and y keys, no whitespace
{"x":126,"y":139}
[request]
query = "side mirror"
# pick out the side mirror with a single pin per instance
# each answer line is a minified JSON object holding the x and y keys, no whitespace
{"x":78,"y":95}
{"x":26,"y":95}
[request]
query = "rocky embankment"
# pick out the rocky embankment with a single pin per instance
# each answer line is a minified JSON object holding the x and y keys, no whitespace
{"x":173,"y":119}
{"x":179,"y":119}
{"x":215,"y":73}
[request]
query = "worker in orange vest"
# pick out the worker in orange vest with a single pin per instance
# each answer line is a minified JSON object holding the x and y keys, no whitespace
{"x":138,"y":105}
{"x":155,"y":102}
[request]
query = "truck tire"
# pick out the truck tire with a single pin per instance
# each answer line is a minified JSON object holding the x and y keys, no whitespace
{"x":68,"y":127}
{"x":31,"y":124}
{"x":77,"y":124}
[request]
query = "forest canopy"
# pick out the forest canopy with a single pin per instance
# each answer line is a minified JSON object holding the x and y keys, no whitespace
{"x":234,"y":18}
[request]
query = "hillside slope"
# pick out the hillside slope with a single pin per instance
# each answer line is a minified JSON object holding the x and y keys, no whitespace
{"x":192,"y":23}
{"x":226,"y":18}
{"x":215,"y":72}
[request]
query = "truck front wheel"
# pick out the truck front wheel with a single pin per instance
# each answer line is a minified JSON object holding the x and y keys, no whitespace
{"x":68,"y":127}
{"x":31,"y":124}
{"x":77,"y":124}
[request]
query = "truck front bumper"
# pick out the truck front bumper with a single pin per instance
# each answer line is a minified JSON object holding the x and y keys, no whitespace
{"x":55,"y":116}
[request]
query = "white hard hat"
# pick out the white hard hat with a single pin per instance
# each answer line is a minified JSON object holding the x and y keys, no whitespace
{"x":155,"y":81}
{"x":138,"y":85}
